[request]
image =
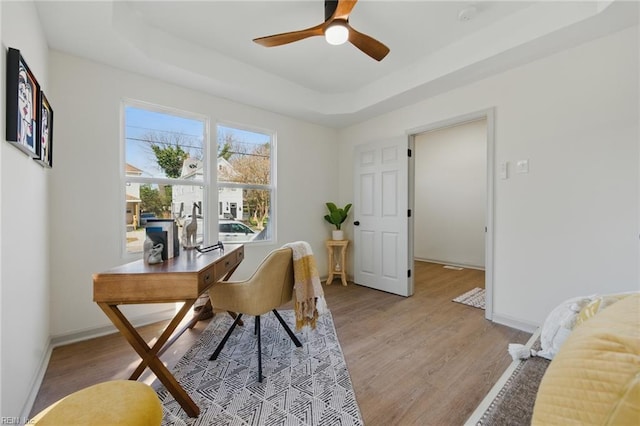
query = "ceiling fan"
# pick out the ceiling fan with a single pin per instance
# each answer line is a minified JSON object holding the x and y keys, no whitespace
{"x":336,"y":30}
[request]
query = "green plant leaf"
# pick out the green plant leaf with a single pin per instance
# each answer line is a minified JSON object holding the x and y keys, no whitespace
{"x":337,"y":215}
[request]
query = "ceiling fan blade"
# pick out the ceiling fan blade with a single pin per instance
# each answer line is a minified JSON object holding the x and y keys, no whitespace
{"x":290,"y":37}
{"x":343,"y":10}
{"x":368,"y":45}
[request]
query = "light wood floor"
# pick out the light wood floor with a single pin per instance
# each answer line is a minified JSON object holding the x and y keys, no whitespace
{"x":422,"y":360}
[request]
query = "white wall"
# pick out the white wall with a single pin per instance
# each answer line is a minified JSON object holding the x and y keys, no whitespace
{"x":87,"y":203}
{"x":450,"y":194}
{"x":569,"y":226}
{"x":2,"y":126}
{"x":24,"y":226}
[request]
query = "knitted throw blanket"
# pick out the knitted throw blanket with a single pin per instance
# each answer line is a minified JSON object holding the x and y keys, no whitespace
{"x":308,"y":296}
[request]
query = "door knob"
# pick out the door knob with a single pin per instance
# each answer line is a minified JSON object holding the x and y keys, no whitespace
{"x":356,"y":223}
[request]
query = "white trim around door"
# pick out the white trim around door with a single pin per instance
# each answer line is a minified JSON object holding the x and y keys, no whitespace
{"x":488,"y":115}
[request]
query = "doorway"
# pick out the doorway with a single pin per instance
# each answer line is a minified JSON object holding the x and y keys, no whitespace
{"x":457,"y":213}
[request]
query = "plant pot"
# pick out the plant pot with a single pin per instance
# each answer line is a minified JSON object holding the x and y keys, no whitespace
{"x":338,"y":235}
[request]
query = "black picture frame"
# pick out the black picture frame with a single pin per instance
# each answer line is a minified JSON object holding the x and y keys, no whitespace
{"x":45,"y":132}
{"x":23,"y":98}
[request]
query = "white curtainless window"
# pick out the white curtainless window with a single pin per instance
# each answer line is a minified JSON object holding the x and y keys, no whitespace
{"x":246,"y":184}
{"x":164,"y":169}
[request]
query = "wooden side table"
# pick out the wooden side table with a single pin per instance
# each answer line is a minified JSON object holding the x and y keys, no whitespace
{"x":337,"y":267}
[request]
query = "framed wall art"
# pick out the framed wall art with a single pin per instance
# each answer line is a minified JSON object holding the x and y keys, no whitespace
{"x":45,"y":132}
{"x":23,"y":96}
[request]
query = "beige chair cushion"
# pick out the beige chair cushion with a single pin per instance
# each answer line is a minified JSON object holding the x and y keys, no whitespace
{"x":269,"y":287}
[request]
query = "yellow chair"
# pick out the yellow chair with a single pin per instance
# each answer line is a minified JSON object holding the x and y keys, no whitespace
{"x":270,"y":286}
{"x":113,"y":403}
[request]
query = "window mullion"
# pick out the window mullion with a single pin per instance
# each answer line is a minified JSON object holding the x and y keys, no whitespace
{"x":164,"y":181}
{"x":244,"y":186}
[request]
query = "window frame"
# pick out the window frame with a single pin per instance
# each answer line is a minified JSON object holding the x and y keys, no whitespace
{"x":272,"y":187}
{"x":206,"y":182}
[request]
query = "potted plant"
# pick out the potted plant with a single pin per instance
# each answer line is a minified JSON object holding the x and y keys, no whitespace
{"x":336,"y":217}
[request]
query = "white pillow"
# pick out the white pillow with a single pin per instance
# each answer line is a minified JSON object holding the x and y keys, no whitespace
{"x":558,"y":325}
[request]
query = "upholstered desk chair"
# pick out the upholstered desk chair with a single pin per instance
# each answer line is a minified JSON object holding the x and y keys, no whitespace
{"x":270,"y":286}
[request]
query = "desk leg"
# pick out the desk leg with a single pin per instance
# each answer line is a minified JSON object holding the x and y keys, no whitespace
{"x":150,"y":358}
{"x":159,"y":347}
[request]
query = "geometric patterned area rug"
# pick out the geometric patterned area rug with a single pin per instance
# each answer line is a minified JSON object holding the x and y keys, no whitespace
{"x":473,"y":298}
{"x":301,"y":386}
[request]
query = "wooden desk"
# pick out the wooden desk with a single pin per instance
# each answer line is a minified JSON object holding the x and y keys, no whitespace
{"x":337,"y":267}
{"x":181,"y":279}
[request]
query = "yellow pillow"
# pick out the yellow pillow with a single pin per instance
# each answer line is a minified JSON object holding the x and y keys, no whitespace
{"x":595,"y":377}
{"x":597,"y":305}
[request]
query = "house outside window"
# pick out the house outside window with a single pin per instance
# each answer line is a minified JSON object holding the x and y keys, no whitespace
{"x":164,"y":170}
{"x":246,"y":184}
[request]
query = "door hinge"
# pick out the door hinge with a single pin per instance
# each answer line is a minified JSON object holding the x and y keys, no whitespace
{"x":409,"y":213}
{"x":409,"y":273}
{"x":409,"y":152}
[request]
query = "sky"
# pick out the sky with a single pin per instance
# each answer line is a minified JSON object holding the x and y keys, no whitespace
{"x":139,"y":122}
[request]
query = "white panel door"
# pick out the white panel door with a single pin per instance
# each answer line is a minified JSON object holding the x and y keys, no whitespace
{"x":381,"y":254}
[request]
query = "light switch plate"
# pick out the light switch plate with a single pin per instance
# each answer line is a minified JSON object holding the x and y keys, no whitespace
{"x":504,"y":170}
{"x":522,"y":166}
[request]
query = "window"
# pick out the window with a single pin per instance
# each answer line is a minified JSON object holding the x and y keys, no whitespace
{"x":165,"y":169}
{"x":246,"y":184}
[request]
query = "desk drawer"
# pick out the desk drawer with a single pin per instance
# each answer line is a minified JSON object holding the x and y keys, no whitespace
{"x":220,"y":269}
{"x":228,"y":263}
{"x":209,"y":276}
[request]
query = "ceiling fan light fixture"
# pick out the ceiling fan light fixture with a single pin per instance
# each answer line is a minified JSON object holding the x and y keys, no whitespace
{"x":336,"y":30}
{"x":336,"y":34}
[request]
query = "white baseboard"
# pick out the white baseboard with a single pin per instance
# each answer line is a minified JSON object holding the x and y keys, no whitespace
{"x":37,"y":381}
{"x":78,"y":336}
{"x":90,"y":333}
{"x":441,"y":262}
{"x":514,"y":323}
